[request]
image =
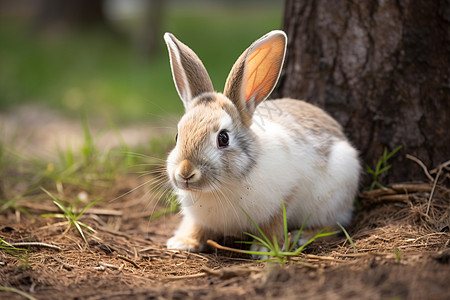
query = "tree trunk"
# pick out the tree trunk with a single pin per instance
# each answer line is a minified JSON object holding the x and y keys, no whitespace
{"x":150,"y":37}
{"x":381,"y":68}
{"x":68,"y":15}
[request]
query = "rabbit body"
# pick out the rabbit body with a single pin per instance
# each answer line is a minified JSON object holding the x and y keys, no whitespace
{"x":235,"y":156}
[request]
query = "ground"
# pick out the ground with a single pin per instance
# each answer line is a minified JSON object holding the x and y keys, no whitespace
{"x":401,"y":235}
{"x":401,"y":254}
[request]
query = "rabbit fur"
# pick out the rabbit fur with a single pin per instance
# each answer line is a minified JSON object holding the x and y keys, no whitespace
{"x":238,"y":154}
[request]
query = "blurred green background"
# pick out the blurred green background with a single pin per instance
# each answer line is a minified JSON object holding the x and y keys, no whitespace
{"x":118,"y":67}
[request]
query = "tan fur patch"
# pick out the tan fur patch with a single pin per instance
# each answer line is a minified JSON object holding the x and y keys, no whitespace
{"x":203,"y":118}
{"x":192,"y":234}
{"x":308,"y":116}
{"x":303,"y":120}
{"x":186,"y":168}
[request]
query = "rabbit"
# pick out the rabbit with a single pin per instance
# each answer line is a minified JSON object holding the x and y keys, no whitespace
{"x":237,"y":154}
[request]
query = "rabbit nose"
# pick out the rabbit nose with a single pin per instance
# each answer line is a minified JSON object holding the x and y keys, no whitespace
{"x":187,"y":178}
{"x":187,"y":172}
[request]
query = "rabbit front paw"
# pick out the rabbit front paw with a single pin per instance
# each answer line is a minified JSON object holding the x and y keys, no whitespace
{"x":184,"y":243}
{"x":259,"y":248}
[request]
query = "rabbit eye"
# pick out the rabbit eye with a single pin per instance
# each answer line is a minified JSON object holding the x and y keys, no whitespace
{"x":176,"y":138}
{"x":223,"y":139}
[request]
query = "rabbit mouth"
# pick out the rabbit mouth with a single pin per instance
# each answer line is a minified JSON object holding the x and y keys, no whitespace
{"x":188,"y":186}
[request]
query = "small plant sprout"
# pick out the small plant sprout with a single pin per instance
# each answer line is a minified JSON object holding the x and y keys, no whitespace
{"x":274,"y":251}
{"x":72,"y":218}
{"x":10,"y":249}
{"x":16,"y":252}
{"x":381,"y":168}
{"x":398,"y":255}
{"x":348,"y":237}
{"x":172,"y":206}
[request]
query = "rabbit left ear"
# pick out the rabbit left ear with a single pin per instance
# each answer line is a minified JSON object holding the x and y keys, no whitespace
{"x":190,"y":76}
{"x":256,"y":72}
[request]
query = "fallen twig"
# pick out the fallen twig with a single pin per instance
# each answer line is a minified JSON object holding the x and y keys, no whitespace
{"x":400,"y":197}
{"x":36,"y":244}
{"x":312,"y":256}
{"x":48,"y":208}
{"x":404,"y":188}
{"x":309,"y":256}
{"x":103,"y":266}
{"x":412,"y":187}
{"x":218,"y":246}
{"x":197,"y":275}
{"x":441,"y":166}
{"x":66,"y":265}
{"x":421,"y":164}
{"x":227,"y":273}
{"x":128,"y":260}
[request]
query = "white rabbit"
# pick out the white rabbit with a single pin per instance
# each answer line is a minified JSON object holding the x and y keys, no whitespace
{"x":231,"y":157}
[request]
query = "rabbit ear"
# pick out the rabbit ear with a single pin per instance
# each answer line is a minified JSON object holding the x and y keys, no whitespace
{"x":190,"y":76}
{"x":256,"y":72}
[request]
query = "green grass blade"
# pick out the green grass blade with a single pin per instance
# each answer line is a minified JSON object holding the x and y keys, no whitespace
{"x":259,"y":230}
{"x":9,"y":246}
{"x":248,"y":242}
{"x":171,"y":209}
{"x":299,"y":234}
{"x":260,"y":241}
{"x":276,"y":247}
{"x":261,"y":253}
{"x":348,"y":238}
{"x":370,"y":170}
{"x":384,"y":169}
{"x":68,"y":214}
{"x":19,"y":292}
{"x":80,"y":230}
{"x":86,"y":226}
{"x":53,"y":215}
{"x":384,"y":156}
{"x":393,"y":152}
{"x":319,"y":235}
{"x":378,"y":166}
{"x":88,"y":147}
{"x":285,"y":227}
{"x":379,"y":185}
{"x":87,"y":206}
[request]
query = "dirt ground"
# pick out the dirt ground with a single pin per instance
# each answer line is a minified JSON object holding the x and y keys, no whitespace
{"x":401,"y":236}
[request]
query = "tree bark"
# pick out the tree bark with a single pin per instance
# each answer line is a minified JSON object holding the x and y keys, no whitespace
{"x":381,"y":68}
{"x":150,"y":37}
{"x":69,"y":15}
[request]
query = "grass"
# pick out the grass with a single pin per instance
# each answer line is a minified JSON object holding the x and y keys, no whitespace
{"x":348,"y":237}
{"x":101,"y":74}
{"x":101,"y":77}
{"x":381,"y":167}
{"x":70,"y":215}
{"x":398,"y":255}
{"x":274,"y":251}
{"x":16,"y":291}
{"x":86,"y":168}
{"x":16,"y":252}
{"x":10,"y":249}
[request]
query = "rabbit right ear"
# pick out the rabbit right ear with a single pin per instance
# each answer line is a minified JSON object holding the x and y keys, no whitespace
{"x":190,"y":76}
{"x":256,"y":72}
